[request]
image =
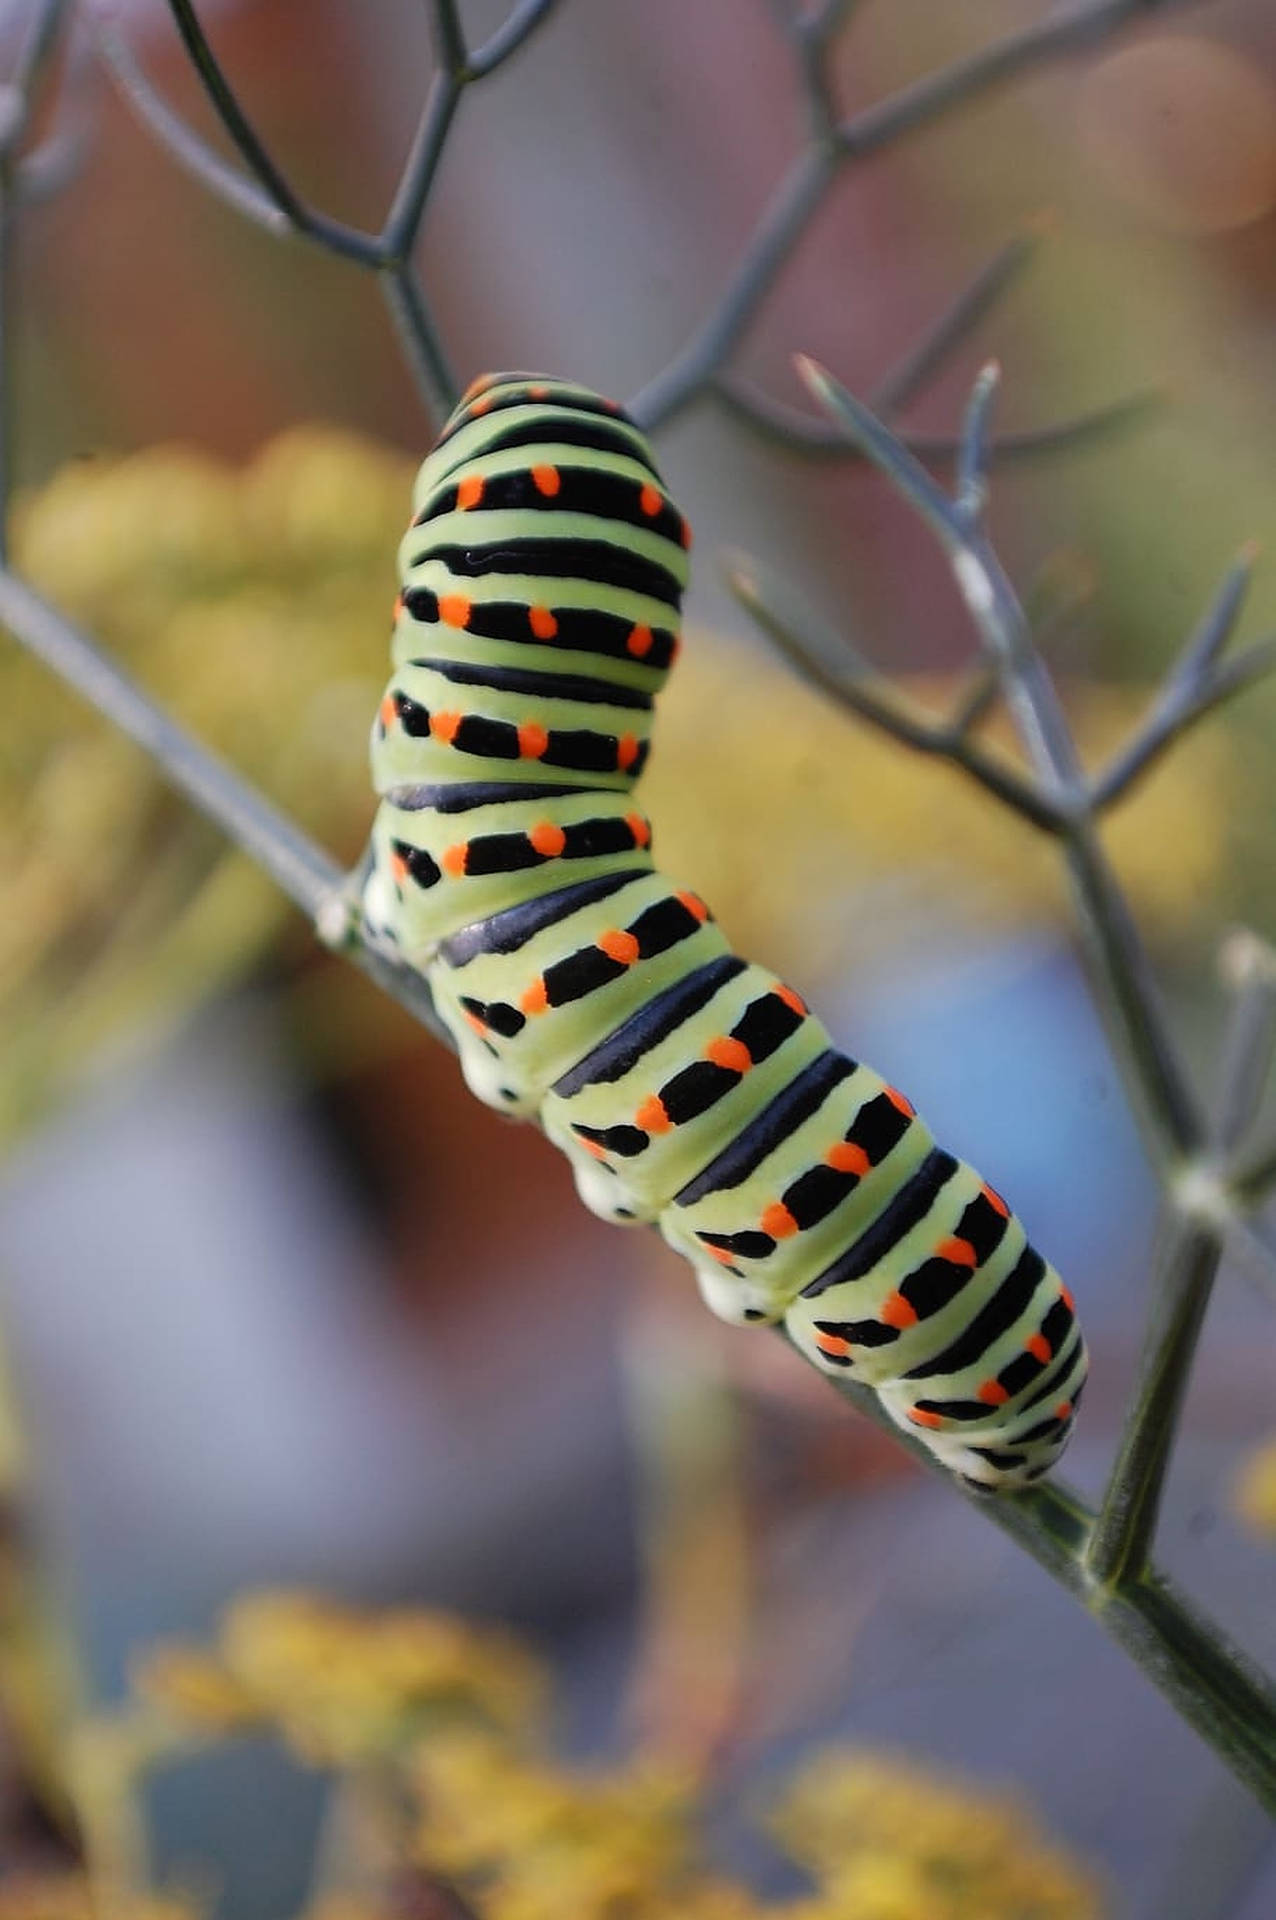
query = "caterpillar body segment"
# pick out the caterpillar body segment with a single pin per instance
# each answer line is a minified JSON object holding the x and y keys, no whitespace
{"x":542,"y":579}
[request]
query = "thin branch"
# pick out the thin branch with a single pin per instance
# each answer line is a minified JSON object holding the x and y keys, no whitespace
{"x":1176,"y":711}
{"x":1064,"y":31}
{"x":1248,"y":964}
{"x":777,"y":233}
{"x":827,"y":17}
{"x":800,"y":192}
{"x":1122,"y":1539}
{"x":305,"y":874}
{"x":35,"y":57}
{"x":981,"y":695}
{"x":265,"y":197}
{"x":423,"y":347}
{"x":403,"y":222}
{"x":811,"y":36}
{"x":822,"y":439}
{"x":914,"y":372}
{"x":830,"y":664}
{"x":1218,"y":623}
{"x":1121,"y":960}
{"x":1203,"y":1227}
{"x":44,"y":172}
{"x":1255,"y":1177}
{"x":240,"y":129}
{"x":450,"y":49}
{"x":971,"y":495}
{"x":190,"y":152}
{"x":507,"y":40}
{"x":1254,"y":1254}
{"x":17,"y":102}
{"x":458,"y":68}
{"x":1195,"y":686}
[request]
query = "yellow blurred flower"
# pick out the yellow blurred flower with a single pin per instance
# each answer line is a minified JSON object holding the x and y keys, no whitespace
{"x":341,"y":1685}
{"x":194,"y":1689}
{"x":255,"y":605}
{"x":542,"y":1841}
{"x":69,"y":1896}
{"x":891,"y":1841}
{"x":1254,"y":1491}
{"x":430,"y":1717}
{"x":882,"y":1840}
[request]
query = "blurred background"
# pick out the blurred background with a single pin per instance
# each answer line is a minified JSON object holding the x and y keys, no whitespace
{"x":283,"y":1307}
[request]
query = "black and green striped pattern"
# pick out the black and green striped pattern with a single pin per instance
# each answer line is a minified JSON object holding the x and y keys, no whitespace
{"x":542,"y":581}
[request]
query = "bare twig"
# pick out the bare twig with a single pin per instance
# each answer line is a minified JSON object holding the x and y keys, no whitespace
{"x":333,"y":234}
{"x":1248,"y":966}
{"x":800,"y":193}
{"x":1123,"y":1535}
{"x":1198,"y":1206}
{"x":816,"y":438}
{"x":777,"y":233}
{"x":982,"y":692}
{"x":1253,"y":1253}
{"x":403,"y":222}
{"x":913,"y":373}
{"x":507,"y":40}
{"x":305,"y":875}
{"x":971,"y":494}
{"x":832,"y":666}
{"x":186,"y":147}
{"x":449,"y":37}
{"x":1196,"y":685}
{"x":1064,"y":31}
{"x":35,"y":58}
{"x":1120,"y":959}
{"x":422,"y":345}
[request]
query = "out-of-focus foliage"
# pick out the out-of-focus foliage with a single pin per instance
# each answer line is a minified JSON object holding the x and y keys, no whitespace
{"x":545,"y":1840}
{"x":890,"y":1839}
{"x":340,"y":1685}
{"x":881,"y":1840}
{"x":255,"y":604}
{"x":70,"y":1896}
{"x":431,"y":1722}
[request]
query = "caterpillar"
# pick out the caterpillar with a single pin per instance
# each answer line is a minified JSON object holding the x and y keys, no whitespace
{"x":542,"y":577}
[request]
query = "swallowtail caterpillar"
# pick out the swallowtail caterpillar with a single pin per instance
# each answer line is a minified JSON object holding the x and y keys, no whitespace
{"x":542,"y":579}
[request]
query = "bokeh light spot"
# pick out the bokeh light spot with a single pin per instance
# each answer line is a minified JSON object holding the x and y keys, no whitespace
{"x":1184,"y":132}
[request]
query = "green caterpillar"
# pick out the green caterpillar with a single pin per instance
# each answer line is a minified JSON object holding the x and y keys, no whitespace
{"x":542,"y":580}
